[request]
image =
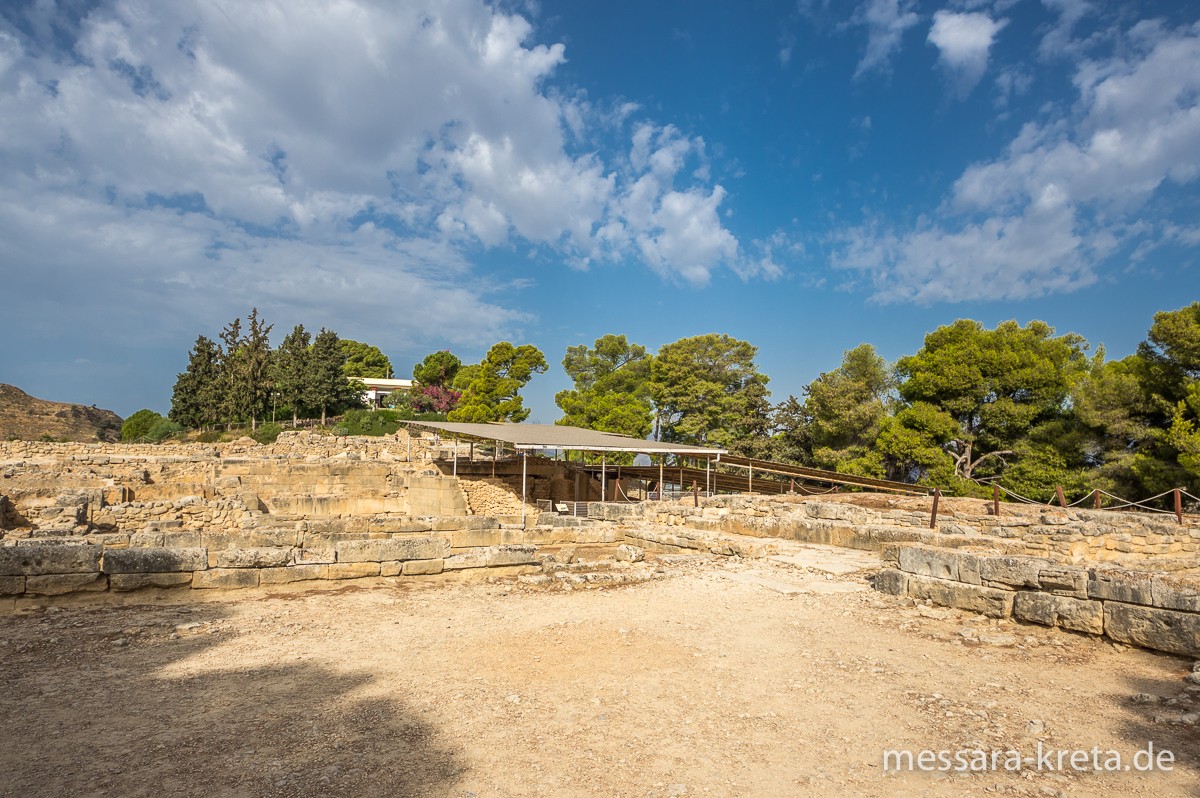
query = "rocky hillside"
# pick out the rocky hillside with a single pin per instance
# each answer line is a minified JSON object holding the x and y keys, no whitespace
{"x":24,"y":417}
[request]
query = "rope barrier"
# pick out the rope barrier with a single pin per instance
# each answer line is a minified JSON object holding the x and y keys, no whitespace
{"x":1122,"y":502}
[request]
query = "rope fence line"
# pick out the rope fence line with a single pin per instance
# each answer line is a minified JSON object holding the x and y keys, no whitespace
{"x":1096,"y":493}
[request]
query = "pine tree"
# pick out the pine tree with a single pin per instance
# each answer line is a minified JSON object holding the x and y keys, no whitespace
{"x":256,"y":363}
{"x":290,"y":369}
{"x":327,"y":384}
{"x":196,"y":400}
{"x":234,"y":402}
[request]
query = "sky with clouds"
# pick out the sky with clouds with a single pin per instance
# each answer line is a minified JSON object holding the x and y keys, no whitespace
{"x":447,"y":173}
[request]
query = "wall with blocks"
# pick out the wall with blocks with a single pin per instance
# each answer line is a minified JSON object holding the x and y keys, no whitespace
{"x":1145,"y":608}
{"x":1068,"y":536}
{"x":32,"y":569}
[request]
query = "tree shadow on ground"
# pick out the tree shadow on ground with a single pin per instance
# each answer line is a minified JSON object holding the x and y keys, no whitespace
{"x":1150,"y":718}
{"x":104,"y":701}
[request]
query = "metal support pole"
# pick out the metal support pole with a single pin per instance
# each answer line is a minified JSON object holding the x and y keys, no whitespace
{"x":937,"y":494}
{"x":707,"y":469}
{"x":603,"y":476}
{"x":524,"y":458}
{"x":751,"y":469}
{"x":409,"y":444}
{"x":495,"y":454}
{"x":660,"y":477}
{"x":455,"y":456}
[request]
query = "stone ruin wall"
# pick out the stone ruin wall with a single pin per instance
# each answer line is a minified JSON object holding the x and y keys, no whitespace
{"x":1068,"y":536}
{"x":1132,"y":577}
{"x":88,"y":518}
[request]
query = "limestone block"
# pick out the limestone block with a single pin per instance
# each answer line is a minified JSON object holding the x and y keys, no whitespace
{"x":1151,"y":627}
{"x":929,"y":561}
{"x":969,"y":564}
{"x":892,"y":582}
{"x":627,"y":553}
{"x":595,"y":533}
{"x":1063,"y":580}
{"x":473,"y":558}
{"x":154,"y":560}
{"x":219,"y":539}
{"x":58,"y":584}
{"x":291,"y":573}
{"x":976,"y":598}
{"x":126,"y":582}
{"x":395,"y":567}
{"x":12,"y":585}
{"x":259,"y":557}
{"x":1080,"y":615}
{"x":422,"y":567}
{"x":1118,"y":584}
{"x":1012,"y":571}
{"x":1176,"y":591}
{"x":349,"y":570}
{"x":467,"y":522}
{"x":889,"y":554}
{"x":836,"y":511}
{"x":377,"y":551}
{"x":182,"y":539}
{"x":471,"y":538}
{"x":49,"y":558}
{"x":225,"y":579}
{"x":511,"y":555}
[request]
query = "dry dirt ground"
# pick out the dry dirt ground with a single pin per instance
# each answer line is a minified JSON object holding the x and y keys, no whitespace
{"x":716,"y":678}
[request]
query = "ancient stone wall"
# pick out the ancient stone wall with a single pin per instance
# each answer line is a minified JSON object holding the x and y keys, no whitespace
{"x":67,"y":489}
{"x":1070,"y":536}
{"x":35,"y":569}
{"x":1140,"y":607}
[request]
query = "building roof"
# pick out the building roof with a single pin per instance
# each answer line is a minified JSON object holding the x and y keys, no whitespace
{"x":554,"y":436}
{"x":380,"y":382}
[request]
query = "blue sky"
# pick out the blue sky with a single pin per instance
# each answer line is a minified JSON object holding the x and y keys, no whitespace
{"x":806,"y":176}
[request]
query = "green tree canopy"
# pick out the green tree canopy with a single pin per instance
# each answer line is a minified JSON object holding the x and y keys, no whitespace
{"x":996,"y":384}
{"x":138,"y":425}
{"x":707,"y":390}
{"x":611,"y":392}
{"x":491,"y":388}
{"x":196,"y":400}
{"x":291,"y":370}
{"x":438,"y":369}
{"x":844,"y":409}
{"x":328,"y":388}
{"x":364,"y":360}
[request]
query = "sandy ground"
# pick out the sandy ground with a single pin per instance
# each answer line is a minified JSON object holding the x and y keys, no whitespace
{"x":705,"y":681}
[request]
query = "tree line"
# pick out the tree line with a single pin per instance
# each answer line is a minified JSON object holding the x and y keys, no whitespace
{"x":1016,"y":404}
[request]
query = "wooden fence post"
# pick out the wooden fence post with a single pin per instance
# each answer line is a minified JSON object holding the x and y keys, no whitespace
{"x":1062,"y":500}
{"x":695,"y":494}
{"x":995,"y":499}
{"x":1096,"y":496}
{"x":937,"y":494}
{"x":1178,"y":505}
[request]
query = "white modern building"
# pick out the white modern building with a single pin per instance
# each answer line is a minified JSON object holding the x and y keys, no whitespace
{"x":379,"y":388}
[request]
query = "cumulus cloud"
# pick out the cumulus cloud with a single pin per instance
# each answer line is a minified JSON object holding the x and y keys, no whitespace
{"x":964,"y":42}
{"x":885,"y":21}
{"x":1064,"y":195}
{"x":348,"y":159}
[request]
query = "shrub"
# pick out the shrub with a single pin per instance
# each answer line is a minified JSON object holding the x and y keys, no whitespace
{"x":137,"y":426}
{"x":267,"y":433}
{"x":162,"y":429}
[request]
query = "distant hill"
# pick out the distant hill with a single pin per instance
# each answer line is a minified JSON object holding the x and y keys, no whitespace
{"x":27,"y":418}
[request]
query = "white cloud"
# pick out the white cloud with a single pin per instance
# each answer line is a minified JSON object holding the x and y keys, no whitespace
{"x":344,"y":158}
{"x":885,"y":21}
{"x":964,"y":42}
{"x":1065,"y":194}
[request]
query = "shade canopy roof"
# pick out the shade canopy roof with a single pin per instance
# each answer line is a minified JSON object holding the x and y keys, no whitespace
{"x":553,"y":436}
